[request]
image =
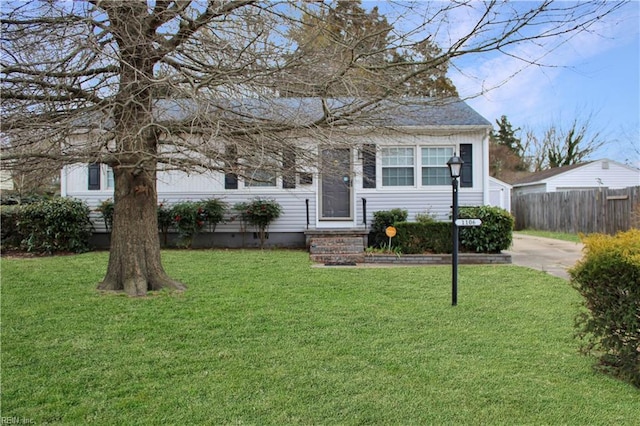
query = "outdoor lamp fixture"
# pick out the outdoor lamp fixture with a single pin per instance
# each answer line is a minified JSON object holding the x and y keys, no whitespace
{"x":455,"y":167}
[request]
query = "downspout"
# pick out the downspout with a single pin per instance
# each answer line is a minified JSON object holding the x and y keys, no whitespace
{"x":485,"y":168}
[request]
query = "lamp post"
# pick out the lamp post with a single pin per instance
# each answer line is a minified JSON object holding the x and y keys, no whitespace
{"x":455,"y":167}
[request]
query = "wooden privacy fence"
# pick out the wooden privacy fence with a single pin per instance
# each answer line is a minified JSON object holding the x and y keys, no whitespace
{"x":603,"y":210}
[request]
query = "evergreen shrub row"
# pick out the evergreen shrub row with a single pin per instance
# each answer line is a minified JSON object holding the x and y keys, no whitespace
{"x":189,"y":218}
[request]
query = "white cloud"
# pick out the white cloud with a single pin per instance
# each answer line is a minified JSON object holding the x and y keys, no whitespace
{"x":500,"y":84}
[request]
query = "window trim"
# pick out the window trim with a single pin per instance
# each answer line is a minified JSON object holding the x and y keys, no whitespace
{"x":417,"y":166}
{"x":444,"y":166}
{"x":383,"y":167}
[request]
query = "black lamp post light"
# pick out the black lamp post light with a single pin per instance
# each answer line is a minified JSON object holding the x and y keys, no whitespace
{"x":455,"y":167}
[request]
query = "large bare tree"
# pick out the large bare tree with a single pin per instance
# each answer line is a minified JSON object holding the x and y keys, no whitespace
{"x":145,"y":86}
{"x":558,"y":146}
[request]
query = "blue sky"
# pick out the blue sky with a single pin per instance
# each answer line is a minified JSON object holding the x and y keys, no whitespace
{"x":595,"y":74}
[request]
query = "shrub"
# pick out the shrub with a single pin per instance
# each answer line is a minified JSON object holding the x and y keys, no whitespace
{"x":494,"y":235}
{"x":57,"y":225}
{"x":259,"y":213}
{"x":608,"y":278}
{"x":189,"y":218}
{"x":165,"y":221}
{"x":381,"y":220}
{"x":106,"y":211}
{"x":9,"y":234}
{"x":214,"y":210}
{"x":417,"y":237}
{"x":426,"y":217}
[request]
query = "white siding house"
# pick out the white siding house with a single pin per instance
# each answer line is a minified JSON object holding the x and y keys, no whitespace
{"x":499,"y":194}
{"x":589,"y":175}
{"x":403,"y":165}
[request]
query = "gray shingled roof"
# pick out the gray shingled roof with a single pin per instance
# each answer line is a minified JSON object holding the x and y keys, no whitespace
{"x":301,"y":111}
{"x":414,"y":112}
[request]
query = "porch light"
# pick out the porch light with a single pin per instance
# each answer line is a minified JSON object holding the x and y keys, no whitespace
{"x":455,"y":166}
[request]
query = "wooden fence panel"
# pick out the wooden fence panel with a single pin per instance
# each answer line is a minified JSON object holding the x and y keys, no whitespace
{"x":600,"y":210}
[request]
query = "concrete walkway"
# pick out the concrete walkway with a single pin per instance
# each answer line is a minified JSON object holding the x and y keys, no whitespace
{"x":545,"y":254}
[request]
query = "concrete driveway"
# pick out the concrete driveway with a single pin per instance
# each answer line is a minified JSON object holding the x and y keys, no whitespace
{"x":545,"y":254}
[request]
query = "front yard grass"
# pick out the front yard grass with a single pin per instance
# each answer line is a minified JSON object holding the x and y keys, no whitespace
{"x":261,"y":337}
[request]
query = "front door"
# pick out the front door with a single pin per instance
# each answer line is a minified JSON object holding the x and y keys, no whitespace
{"x":335,"y":188}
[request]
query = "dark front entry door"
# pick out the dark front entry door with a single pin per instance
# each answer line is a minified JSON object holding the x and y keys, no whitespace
{"x":336,"y":184}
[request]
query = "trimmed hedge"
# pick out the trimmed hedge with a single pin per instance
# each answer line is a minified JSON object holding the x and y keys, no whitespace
{"x":428,"y":236}
{"x":417,"y":237}
{"x":494,"y":235}
{"x":608,"y":278}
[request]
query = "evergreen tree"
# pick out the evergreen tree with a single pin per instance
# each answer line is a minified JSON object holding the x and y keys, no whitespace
{"x":506,"y":151}
{"x":347,"y":40}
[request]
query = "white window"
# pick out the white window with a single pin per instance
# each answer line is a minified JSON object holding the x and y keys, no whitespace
{"x":434,"y":166}
{"x":260,"y":177}
{"x":110,"y":179}
{"x":398,"y":166}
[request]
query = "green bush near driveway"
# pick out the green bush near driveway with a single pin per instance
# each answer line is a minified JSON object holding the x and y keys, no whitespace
{"x":494,"y":235}
{"x":608,"y":278}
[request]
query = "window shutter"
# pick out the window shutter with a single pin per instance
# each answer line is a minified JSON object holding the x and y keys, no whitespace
{"x":289,"y":168}
{"x":368,"y":166}
{"x":94,"y":177}
{"x":466,"y":176}
{"x":231,"y":179}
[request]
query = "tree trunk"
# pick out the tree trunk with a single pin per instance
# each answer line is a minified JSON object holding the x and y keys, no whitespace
{"x":134,"y":258}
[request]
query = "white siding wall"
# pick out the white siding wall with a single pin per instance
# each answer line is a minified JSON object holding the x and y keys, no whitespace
{"x":176,"y":186}
{"x":6,"y":180}
{"x":599,"y":174}
{"x":433,"y":200}
{"x":437,"y":204}
{"x":499,"y":194}
{"x":530,"y":189}
{"x":436,"y":200}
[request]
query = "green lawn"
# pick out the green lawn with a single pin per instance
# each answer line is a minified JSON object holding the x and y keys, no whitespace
{"x":573,"y":238}
{"x":264,"y":338}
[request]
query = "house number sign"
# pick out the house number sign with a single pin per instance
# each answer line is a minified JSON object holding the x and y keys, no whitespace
{"x":468,"y":222}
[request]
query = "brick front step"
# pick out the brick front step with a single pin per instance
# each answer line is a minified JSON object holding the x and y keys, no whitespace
{"x":320,"y":247}
{"x":439,"y":259}
{"x":337,"y":246}
{"x":337,"y":258}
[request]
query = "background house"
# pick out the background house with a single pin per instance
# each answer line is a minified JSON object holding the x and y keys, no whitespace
{"x":598,"y":196}
{"x":499,"y":194}
{"x":399,"y":163}
{"x":589,"y":175}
